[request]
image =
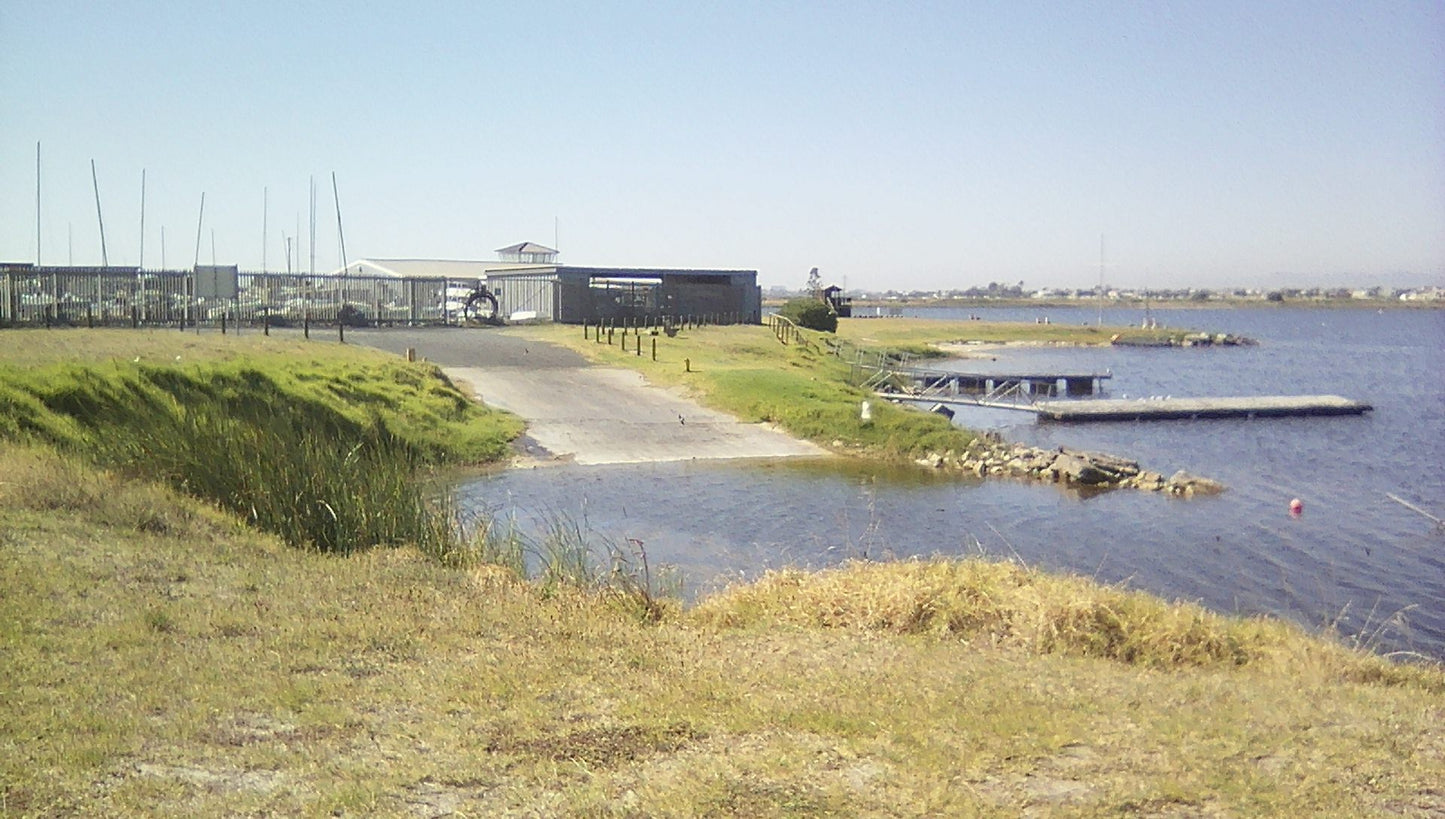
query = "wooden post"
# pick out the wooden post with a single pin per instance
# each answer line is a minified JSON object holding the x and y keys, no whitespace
{"x":411,"y":354}
{"x":306,"y":325}
{"x":223,"y":324}
{"x":687,"y":365}
{"x":609,"y":336}
{"x":341,"y":331}
{"x":134,"y":317}
{"x":266,"y":323}
{"x":654,"y":348}
{"x":586,"y":331}
{"x":89,"y":317}
{"x":637,"y":336}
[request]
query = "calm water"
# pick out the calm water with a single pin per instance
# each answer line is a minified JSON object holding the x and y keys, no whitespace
{"x":1354,"y":558}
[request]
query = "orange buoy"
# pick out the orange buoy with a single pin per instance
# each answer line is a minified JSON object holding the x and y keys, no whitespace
{"x":1296,"y":508}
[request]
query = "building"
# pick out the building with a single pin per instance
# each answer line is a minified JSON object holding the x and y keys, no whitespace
{"x":580,"y":295}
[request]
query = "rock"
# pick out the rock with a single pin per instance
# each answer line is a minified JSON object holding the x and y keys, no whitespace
{"x":1074,"y":469}
{"x":1183,"y":483}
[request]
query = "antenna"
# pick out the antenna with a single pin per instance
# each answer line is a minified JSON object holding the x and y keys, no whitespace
{"x":1101,"y":280}
{"x":104,"y":259}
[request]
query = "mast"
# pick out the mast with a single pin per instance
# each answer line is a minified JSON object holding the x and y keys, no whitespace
{"x":265,"y":207}
{"x":37,"y":203}
{"x":340,"y":234}
{"x":104,"y":259}
{"x":313,"y":226}
{"x":199,"y":217}
{"x":140,"y":265}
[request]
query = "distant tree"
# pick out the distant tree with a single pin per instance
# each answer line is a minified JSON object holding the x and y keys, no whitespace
{"x":1199,"y":295}
{"x":810,"y":313}
{"x":1275,"y":295}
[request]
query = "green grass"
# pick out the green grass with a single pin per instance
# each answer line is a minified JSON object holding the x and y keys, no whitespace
{"x":162,"y":659}
{"x":324,"y":446}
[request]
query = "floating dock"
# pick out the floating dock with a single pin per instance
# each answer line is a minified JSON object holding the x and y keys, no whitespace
{"x":1161,"y":409}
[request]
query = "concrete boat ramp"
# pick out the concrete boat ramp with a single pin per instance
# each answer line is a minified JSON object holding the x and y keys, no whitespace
{"x":581,"y":413}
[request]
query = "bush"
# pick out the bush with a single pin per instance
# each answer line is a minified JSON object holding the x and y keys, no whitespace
{"x":811,"y":314}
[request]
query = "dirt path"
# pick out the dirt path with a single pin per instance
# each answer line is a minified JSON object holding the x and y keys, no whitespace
{"x":580,"y":412}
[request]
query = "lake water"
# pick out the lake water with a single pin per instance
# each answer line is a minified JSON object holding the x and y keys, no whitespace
{"x":1355,"y":558}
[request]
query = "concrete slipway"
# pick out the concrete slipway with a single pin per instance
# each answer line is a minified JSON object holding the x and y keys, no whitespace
{"x":581,"y":412}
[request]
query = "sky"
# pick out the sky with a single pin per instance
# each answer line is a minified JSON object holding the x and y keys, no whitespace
{"x":905,"y":146}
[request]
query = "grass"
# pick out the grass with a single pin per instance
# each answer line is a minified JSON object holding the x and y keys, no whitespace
{"x":323,"y":445}
{"x":161,"y":658}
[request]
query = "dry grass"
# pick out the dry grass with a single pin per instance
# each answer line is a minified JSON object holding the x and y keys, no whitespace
{"x":198,"y":668}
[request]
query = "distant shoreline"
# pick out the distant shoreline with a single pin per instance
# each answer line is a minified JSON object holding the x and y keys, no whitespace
{"x":1140,"y":304}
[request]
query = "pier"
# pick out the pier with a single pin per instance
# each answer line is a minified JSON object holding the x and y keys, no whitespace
{"x":1163,"y":409}
{"x":985,"y":389}
{"x":1068,"y":397}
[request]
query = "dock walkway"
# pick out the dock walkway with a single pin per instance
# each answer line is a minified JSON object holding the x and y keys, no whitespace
{"x":1160,"y":409}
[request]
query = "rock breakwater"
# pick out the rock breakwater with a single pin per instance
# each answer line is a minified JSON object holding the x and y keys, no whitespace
{"x":990,"y":456}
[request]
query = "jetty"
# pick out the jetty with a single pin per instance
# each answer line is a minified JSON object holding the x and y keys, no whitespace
{"x":1163,"y":409}
{"x":1069,"y":397}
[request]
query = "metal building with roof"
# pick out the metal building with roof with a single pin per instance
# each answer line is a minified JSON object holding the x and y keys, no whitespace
{"x":580,"y":295}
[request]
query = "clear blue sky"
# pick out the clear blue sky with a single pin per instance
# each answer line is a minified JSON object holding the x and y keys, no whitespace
{"x":915,"y":145}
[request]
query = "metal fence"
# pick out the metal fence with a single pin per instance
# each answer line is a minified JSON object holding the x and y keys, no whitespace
{"x":128,"y":297}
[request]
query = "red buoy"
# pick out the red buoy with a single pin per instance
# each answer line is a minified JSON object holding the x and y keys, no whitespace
{"x":1296,"y":508}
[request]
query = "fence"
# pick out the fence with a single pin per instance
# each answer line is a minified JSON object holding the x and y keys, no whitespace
{"x":127,"y":297}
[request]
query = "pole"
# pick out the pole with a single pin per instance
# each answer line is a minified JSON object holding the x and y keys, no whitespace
{"x":265,"y":207}
{"x":199,"y":220}
{"x":37,"y":203}
{"x":140,"y":265}
{"x":340,"y":234}
{"x":104,"y":259}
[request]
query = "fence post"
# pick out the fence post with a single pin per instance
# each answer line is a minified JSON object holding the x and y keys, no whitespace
{"x":341,"y":331}
{"x":223,"y":324}
{"x":654,"y":348}
{"x":306,"y":325}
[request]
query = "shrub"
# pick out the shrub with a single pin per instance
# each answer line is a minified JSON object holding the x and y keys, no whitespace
{"x":810,"y":313}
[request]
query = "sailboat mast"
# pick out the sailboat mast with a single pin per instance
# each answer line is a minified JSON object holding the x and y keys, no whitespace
{"x":104,"y":259}
{"x":340,"y":234}
{"x":140,"y":265}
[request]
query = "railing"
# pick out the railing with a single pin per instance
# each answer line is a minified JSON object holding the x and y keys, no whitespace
{"x":98,"y":297}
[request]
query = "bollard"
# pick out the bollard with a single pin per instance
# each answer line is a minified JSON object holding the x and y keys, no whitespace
{"x":687,"y":365}
{"x":341,"y":331}
{"x":637,"y":336}
{"x":306,"y":326}
{"x":609,"y":336}
{"x":586,"y":331}
{"x":266,"y":323}
{"x":411,"y":354}
{"x":223,"y":324}
{"x":654,"y":348}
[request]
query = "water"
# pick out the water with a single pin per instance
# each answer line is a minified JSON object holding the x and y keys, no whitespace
{"x":1354,"y":559}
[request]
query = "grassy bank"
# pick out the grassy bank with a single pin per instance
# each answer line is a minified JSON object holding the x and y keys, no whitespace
{"x":162,"y":659}
{"x":319,"y":443}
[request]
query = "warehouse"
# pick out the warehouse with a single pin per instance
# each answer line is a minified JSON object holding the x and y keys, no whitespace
{"x":579,"y":295}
